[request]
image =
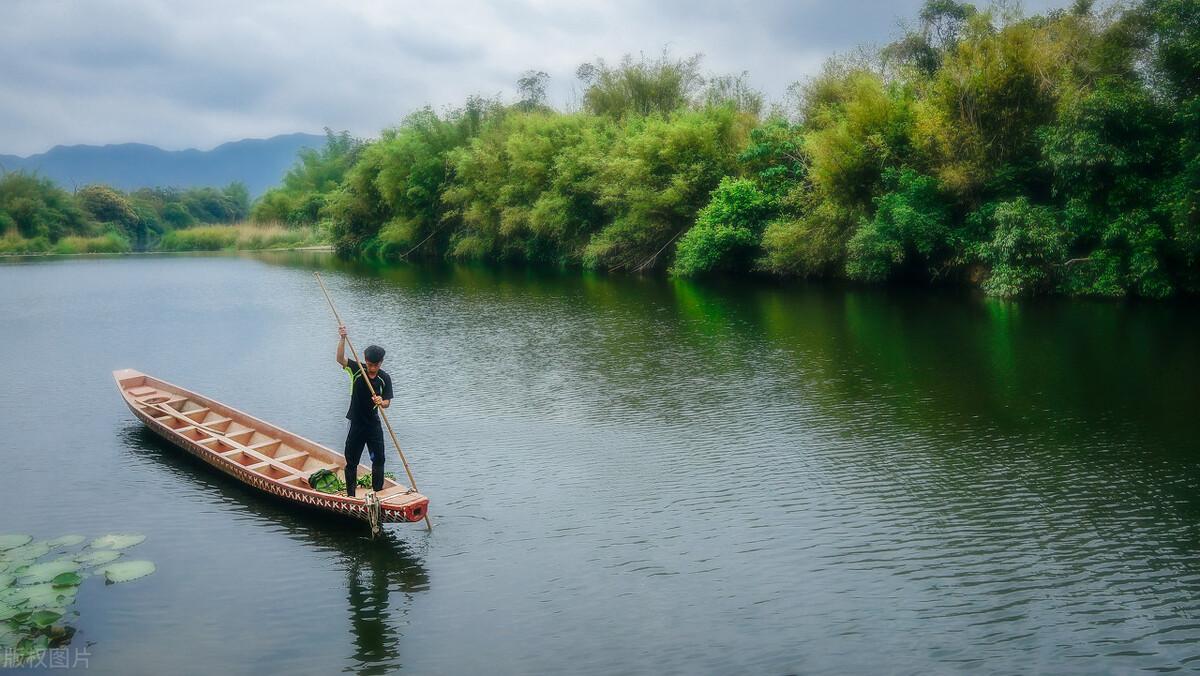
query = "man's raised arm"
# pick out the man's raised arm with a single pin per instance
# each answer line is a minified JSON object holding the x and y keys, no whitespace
{"x":341,"y":352}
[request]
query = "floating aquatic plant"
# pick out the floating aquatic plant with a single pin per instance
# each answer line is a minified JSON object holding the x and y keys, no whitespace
{"x":35,"y":595}
{"x":44,"y":595}
{"x":66,"y":541}
{"x":45,"y":572}
{"x":125,"y":571}
{"x":26,"y":553}
{"x":45,"y":618}
{"x":117,"y":541}
{"x":67,"y":579}
{"x":97,"y":557}
{"x":14,"y":540}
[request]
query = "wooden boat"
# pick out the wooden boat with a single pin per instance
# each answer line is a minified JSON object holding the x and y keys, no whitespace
{"x":257,"y":452}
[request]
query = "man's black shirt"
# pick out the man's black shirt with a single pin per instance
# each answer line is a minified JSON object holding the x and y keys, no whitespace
{"x":362,"y":409}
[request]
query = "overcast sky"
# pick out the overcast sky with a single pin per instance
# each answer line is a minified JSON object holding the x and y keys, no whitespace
{"x":197,"y":74}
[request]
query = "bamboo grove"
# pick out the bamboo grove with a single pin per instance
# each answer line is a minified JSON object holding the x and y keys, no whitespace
{"x":1056,"y":153}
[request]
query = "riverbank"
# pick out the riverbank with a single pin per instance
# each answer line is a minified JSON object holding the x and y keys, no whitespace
{"x":981,"y":158}
{"x":317,"y":249}
{"x":234,"y":237}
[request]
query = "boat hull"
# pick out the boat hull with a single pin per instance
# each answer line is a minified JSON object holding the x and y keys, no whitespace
{"x":243,"y":462}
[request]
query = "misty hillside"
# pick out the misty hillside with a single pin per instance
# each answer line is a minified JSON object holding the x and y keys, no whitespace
{"x":259,"y":163}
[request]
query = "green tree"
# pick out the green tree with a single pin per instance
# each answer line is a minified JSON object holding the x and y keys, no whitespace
{"x":1027,"y":250}
{"x":531,"y":87}
{"x":106,"y":205}
{"x":523,"y":186}
{"x":658,"y":177}
{"x":642,"y":87}
{"x":1109,"y":157}
{"x":728,"y":230}
{"x":911,"y":226}
{"x":311,"y":179}
{"x":390,"y":201}
{"x":38,"y":208}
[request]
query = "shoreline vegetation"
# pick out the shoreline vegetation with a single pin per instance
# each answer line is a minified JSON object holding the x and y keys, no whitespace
{"x":219,"y":237}
{"x":1047,"y":154}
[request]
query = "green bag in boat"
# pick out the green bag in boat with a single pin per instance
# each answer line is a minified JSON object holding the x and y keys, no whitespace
{"x":326,"y":481}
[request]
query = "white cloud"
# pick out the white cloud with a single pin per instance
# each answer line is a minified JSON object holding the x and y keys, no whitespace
{"x":185,"y":74}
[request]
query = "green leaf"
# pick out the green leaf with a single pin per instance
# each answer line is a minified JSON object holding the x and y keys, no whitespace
{"x":66,"y":541}
{"x":45,"y":572}
{"x":117,"y":541}
{"x":7,"y":611}
{"x":8,"y":637}
{"x":45,"y":618}
{"x":68,"y":579}
{"x":11,"y":540}
{"x":6,"y":581}
{"x":97,"y":557}
{"x":30,"y":647}
{"x":38,"y":596}
{"x":125,"y":571}
{"x":27,"y":552}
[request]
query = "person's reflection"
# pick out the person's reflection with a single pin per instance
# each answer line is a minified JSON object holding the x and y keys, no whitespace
{"x":376,"y":570}
{"x":381,"y":573}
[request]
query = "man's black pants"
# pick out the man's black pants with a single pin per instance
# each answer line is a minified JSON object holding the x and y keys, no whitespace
{"x":370,"y":435}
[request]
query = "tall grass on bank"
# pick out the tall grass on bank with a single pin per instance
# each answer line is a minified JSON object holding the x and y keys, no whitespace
{"x":240,"y":237}
{"x":236,"y":237}
{"x":109,"y":242}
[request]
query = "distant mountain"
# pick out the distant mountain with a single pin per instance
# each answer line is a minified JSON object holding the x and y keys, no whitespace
{"x":259,"y":163}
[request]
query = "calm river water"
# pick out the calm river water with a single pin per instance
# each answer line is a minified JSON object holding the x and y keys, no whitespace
{"x":627,"y":475}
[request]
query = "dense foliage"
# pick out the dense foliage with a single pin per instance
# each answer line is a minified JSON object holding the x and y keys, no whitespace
{"x":315,"y":174}
{"x":38,"y":216}
{"x":1057,"y":153}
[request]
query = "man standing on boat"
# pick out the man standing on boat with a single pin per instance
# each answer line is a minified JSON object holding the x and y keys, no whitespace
{"x":365,"y":428}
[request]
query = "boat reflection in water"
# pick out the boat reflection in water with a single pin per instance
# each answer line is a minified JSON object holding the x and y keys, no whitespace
{"x":382,"y":575}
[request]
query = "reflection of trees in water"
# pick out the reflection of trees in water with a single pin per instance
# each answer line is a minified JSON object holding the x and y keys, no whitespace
{"x":1024,"y":365}
{"x":376,"y":570}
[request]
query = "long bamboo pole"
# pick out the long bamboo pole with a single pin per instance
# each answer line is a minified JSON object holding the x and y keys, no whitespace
{"x":362,"y":369}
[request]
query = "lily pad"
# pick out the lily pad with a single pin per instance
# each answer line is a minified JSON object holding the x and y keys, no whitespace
{"x":66,"y":541}
{"x":7,"y":611}
{"x":45,"y":618}
{"x":38,"y":596}
{"x":28,"y":647}
{"x":97,"y":557}
{"x":8,"y":637}
{"x":6,"y":581}
{"x":117,"y":541}
{"x":45,"y":572}
{"x":11,"y":540}
{"x":11,"y":596}
{"x":124,"y":571}
{"x":67,"y":579}
{"x":27,"y":552}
